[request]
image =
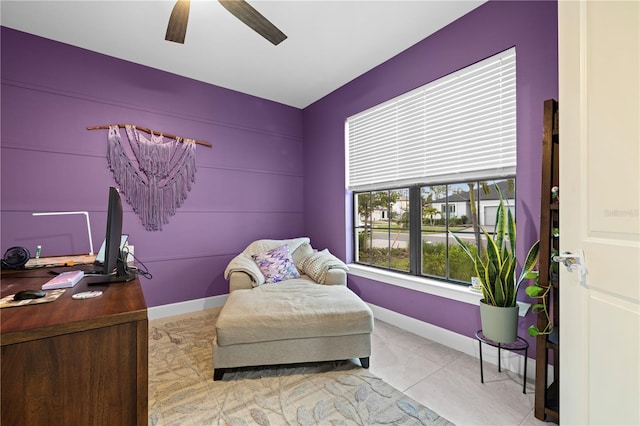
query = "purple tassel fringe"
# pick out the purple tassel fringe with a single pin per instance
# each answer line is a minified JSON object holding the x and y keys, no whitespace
{"x":159,"y":184}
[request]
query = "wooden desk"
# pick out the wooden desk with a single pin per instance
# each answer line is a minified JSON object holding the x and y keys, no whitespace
{"x":74,"y":362}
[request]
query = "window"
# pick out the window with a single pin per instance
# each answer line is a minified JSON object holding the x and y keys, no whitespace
{"x":389,"y":242}
{"x":451,"y":208}
{"x":425,"y":164}
{"x":383,"y":239}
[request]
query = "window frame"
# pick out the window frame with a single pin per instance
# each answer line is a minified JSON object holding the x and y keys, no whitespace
{"x":416,"y":230}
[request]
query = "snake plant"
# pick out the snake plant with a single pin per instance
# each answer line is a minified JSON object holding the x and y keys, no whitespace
{"x":496,"y":267}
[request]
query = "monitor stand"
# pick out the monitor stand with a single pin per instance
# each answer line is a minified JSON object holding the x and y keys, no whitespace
{"x":122,"y":275}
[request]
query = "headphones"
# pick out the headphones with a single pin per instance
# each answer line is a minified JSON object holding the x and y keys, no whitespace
{"x":15,"y":258}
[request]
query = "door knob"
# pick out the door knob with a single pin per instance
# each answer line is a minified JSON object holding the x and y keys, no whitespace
{"x":573,"y":262}
{"x":568,"y":259}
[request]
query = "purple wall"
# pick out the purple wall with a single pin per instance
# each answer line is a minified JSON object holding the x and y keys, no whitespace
{"x":251,"y":183}
{"x":248,"y":186}
{"x":493,"y":27}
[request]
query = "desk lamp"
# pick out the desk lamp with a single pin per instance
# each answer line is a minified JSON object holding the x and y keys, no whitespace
{"x":68,"y":213}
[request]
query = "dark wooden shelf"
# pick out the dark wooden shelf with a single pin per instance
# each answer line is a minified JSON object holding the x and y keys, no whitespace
{"x":547,"y":402}
{"x":552,"y":406}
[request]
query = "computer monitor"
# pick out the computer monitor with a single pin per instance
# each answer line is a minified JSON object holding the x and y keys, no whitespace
{"x":114,"y":269}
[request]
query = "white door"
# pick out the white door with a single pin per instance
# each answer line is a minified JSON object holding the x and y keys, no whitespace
{"x":599,"y":59}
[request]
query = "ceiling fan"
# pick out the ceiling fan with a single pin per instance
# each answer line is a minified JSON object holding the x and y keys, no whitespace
{"x":242,"y":10}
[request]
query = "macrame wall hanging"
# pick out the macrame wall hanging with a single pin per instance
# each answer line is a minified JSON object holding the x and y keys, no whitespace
{"x":158,"y":181}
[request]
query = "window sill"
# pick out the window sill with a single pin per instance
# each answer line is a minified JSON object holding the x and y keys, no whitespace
{"x":421,"y":284}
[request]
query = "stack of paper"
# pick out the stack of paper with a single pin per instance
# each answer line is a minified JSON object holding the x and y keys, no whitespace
{"x":64,"y":280}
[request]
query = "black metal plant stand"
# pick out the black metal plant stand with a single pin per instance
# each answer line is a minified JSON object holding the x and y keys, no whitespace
{"x":519,"y":345}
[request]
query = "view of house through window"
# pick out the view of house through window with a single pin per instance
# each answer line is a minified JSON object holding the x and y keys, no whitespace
{"x":385,"y":237}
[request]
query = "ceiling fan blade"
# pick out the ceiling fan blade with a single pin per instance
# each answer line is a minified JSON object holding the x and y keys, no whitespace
{"x":254,"y":19}
{"x":177,"y":27}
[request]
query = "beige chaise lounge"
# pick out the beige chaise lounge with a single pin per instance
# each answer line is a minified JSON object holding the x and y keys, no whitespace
{"x":292,"y":321}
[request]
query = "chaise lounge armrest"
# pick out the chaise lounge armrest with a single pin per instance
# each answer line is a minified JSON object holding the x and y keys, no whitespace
{"x":241,"y":280}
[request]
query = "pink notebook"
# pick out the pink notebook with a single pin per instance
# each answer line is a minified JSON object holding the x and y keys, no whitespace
{"x":64,"y":280}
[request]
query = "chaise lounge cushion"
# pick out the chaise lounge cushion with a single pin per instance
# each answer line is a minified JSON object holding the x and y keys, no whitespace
{"x":323,"y":267}
{"x":293,"y":309}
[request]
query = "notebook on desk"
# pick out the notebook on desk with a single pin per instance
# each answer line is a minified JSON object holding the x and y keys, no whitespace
{"x":64,"y":280}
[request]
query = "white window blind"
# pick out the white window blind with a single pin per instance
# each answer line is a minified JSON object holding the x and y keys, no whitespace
{"x":461,"y":126}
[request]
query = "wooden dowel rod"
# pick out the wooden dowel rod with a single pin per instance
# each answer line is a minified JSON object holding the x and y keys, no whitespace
{"x":144,"y":129}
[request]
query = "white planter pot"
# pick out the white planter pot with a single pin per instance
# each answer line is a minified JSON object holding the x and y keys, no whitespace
{"x":499,"y":324}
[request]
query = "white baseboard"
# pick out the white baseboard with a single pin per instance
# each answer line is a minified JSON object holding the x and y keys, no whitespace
{"x":186,"y":307}
{"x":469,"y":345}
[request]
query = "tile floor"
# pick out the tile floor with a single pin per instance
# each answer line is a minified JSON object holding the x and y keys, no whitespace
{"x":448,"y":381}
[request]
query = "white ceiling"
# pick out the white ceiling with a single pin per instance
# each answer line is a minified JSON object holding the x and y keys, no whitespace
{"x":329,"y":42}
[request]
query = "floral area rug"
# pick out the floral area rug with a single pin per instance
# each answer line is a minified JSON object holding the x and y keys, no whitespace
{"x":182,"y":390}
